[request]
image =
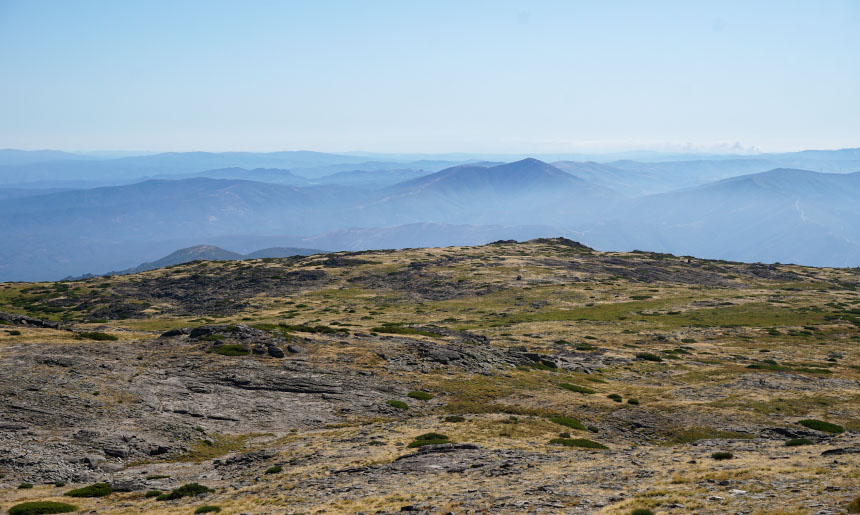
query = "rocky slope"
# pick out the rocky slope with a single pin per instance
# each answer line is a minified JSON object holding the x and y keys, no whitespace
{"x":305,"y":384}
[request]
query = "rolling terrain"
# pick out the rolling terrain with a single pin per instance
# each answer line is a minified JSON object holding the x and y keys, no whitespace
{"x":537,"y":377}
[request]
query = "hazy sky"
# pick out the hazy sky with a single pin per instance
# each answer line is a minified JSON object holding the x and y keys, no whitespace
{"x":434,"y":76}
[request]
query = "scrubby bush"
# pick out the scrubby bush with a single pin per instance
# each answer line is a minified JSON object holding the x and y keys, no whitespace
{"x":41,"y":507}
{"x":275,"y":470}
{"x":158,"y":476}
{"x":14,"y":332}
{"x":576,"y":388}
{"x":206,"y":508}
{"x":95,"y":335}
{"x":614,"y":396}
{"x":648,"y":356}
{"x":421,"y":396}
{"x":820,"y":425}
{"x":152,"y":493}
{"x":633,"y":402}
{"x":578,"y":442}
{"x":94,"y":490}
{"x":568,"y":422}
{"x":231,"y":350}
{"x":59,"y":484}
{"x":187,"y":490}
{"x":794,"y":442}
{"x":455,"y":418}
{"x":429,"y":439}
{"x":398,"y":404}
{"x":24,"y":486}
{"x":853,"y":506}
{"x":722,"y":455}
{"x":641,"y":511}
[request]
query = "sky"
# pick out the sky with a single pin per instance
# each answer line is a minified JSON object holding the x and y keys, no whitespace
{"x":430,"y":76}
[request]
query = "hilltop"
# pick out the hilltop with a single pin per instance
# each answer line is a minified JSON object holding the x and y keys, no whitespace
{"x":438,"y":379}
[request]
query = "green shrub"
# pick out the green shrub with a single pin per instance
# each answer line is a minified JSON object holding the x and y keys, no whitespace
{"x":396,"y":329}
{"x":853,"y":506}
{"x":95,"y":335}
{"x":94,"y":490}
{"x":455,"y":418}
{"x":614,"y":396}
{"x":187,"y":490}
{"x":564,"y":435}
{"x":794,"y":442}
{"x":421,"y":396}
{"x":152,"y":493}
{"x":14,"y":332}
{"x":232,"y":349}
{"x":577,"y":389}
{"x":24,"y":486}
{"x":648,"y":356}
{"x":398,"y":404}
{"x":59,"y":484}
{"x":641,"y":511}
{"x":569,"y":422}
{"x":206,"y":508}
{"x":820,"y":425}
{"x":688,"y":340}
{"x":429,"y":439}
{"x":722,"y":455}
{"x":578,"y":442}
{"x":633,"y":402}
{"x":41,"y":507}
{"x":275,"y":470}
{"x":158,"y":476}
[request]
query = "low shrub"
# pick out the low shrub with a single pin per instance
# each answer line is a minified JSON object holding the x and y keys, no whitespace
{"x":568,"y":422}
{"x":41,"y":507}
{"x":429,"y":439}
{"x":794,"y":442}
{"x":232,"y":349}
{"x":853,"y":506}
{"x":455,"y":418}
{"x":275,"y":470}
{"x":152,"y":493}
{"x":158,"y":476}
{"x":648,"y":356}
{"x":578,"y":442}
{"x":421,"y":396}
{"x":398,"y":404}
{"x":24,"y":486}
{"x":59,"y":484}
{"x":633,"y":402}
{"x":820,"y":425}
{"x":187,"y":490}
{"x":722,"y":455}
{"x":14,"y":332}
{"x":614,"y":396}
{"x":688,"y":340}
{"x":576,"y":388}
{"x":641,"y":511}
{"x":206,"y":508}
{"x":94,"y":490}
{"x":396,"y":329}
{"x":95,"y":335}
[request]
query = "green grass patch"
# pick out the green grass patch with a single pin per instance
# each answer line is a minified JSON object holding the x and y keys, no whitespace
{"x":421,"y":396}
{"x":95,"y":335}
{"x":578,"y":442}
{"x":41,"y":507}
{"x":398,"y":404}
{"x":231,"y":349}
{"x":187,"y":490}
{"x":820,"y":425}
{"x":576,"y":388}
{"x":429,"y":439}
{"x":277,"y":469}
{"x":94,"y":490}
{"x":568,"y":422}
{"x":695,"y":434}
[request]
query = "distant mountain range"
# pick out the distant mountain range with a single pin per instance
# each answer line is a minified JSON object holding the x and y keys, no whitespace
{"x":210,"y":253}
{"x":705,"y":207}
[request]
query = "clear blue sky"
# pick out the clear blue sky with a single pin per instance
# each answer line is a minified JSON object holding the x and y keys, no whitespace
{"x":434,"y":76}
